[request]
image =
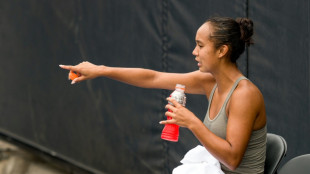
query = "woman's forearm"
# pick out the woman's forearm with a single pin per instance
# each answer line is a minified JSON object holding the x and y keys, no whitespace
{"x":134,"y":76}
{"x":218,"y":147}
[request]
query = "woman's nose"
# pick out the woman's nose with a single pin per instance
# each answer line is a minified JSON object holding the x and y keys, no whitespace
{"x":195,"y":52}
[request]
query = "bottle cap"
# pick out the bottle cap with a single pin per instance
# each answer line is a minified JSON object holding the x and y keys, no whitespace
{"x":179,"y":86}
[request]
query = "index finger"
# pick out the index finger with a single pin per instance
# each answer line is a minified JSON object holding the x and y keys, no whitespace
{"x":174,"y":102}
{"x":67,"y":67}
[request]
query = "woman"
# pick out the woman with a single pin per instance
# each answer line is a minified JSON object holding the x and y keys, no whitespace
{"x":234,"y":129}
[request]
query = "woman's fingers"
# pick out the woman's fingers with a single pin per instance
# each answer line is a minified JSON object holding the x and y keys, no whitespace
{"x":170,"y":121}
{"x":78,"y":79}
{"x":67,"y":67}
{"x":74,"y":73}
{"x":170,"y":114}
{"x":171,"y":111}
{"x":174,"y":102}
{"x":166,"y":122}
{"x":170,"y":108}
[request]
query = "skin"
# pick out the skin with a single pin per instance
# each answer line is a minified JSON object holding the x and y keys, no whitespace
{"x":245,"y":109}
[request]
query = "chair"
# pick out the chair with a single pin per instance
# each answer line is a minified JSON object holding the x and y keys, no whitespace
{"x":275,"y":150}
{"x":297,"y":165}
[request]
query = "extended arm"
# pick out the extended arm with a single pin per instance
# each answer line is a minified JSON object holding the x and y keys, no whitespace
{"x":195,"y":82}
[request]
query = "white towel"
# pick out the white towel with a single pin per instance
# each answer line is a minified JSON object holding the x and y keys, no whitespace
{"x":198,"y":161}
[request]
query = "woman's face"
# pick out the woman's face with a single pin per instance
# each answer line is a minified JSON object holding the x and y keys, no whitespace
{"x":206,"y":54}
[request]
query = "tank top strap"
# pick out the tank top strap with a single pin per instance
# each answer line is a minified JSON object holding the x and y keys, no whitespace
{"x":233,"y":89}
{"x":212,"y":93}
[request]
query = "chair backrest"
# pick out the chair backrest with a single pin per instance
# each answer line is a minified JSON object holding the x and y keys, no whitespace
{"x":275,"y":150}
{"x":297,"y":165}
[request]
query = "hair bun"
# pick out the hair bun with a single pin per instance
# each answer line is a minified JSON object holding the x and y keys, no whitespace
{"x":246,"y":29}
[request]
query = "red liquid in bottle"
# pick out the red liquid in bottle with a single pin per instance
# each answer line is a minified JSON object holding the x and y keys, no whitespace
{"x":171,"y":131}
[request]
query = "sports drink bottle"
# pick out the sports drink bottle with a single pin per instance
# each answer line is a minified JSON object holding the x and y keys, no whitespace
{"x":171,"y":131}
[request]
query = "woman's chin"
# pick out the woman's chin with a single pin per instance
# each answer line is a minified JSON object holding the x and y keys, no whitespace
{"x":203,"y":70}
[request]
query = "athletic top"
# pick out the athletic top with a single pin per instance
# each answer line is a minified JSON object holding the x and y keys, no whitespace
{"x":254,"y":158}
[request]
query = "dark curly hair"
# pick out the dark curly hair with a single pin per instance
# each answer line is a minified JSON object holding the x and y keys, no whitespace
{"x":235,"y":33}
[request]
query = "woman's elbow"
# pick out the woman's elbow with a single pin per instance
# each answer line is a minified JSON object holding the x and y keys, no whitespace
{"x":233,"y":164}
{"x":232,"y":167}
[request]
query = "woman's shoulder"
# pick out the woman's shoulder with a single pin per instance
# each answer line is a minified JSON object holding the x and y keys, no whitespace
{"x":248,"y":97}
{"x":247,"y":100}
{"x":247,"y":88}
{"x":247,"y":91}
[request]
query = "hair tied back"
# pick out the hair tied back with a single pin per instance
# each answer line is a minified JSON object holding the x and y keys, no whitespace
{"x":246,"y":30}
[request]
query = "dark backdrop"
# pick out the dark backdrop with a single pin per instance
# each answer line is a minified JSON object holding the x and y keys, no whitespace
{"x":108,"y":127}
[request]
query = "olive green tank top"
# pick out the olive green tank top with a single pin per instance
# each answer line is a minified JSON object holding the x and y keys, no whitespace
{"x":254,"y":158}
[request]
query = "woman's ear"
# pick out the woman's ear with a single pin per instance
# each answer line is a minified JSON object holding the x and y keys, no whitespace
{"x":223,"y":51}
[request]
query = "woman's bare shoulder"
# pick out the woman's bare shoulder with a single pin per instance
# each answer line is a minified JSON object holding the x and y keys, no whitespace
{"x":248,"y":93}
{"x":248,"y":101}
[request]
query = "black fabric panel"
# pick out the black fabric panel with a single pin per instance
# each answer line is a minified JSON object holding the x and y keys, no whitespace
{"x":103,"y":124}
{"x":279,"y":65}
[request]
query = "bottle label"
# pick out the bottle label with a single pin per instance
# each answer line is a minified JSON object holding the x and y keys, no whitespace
{"x":180,"y":98}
